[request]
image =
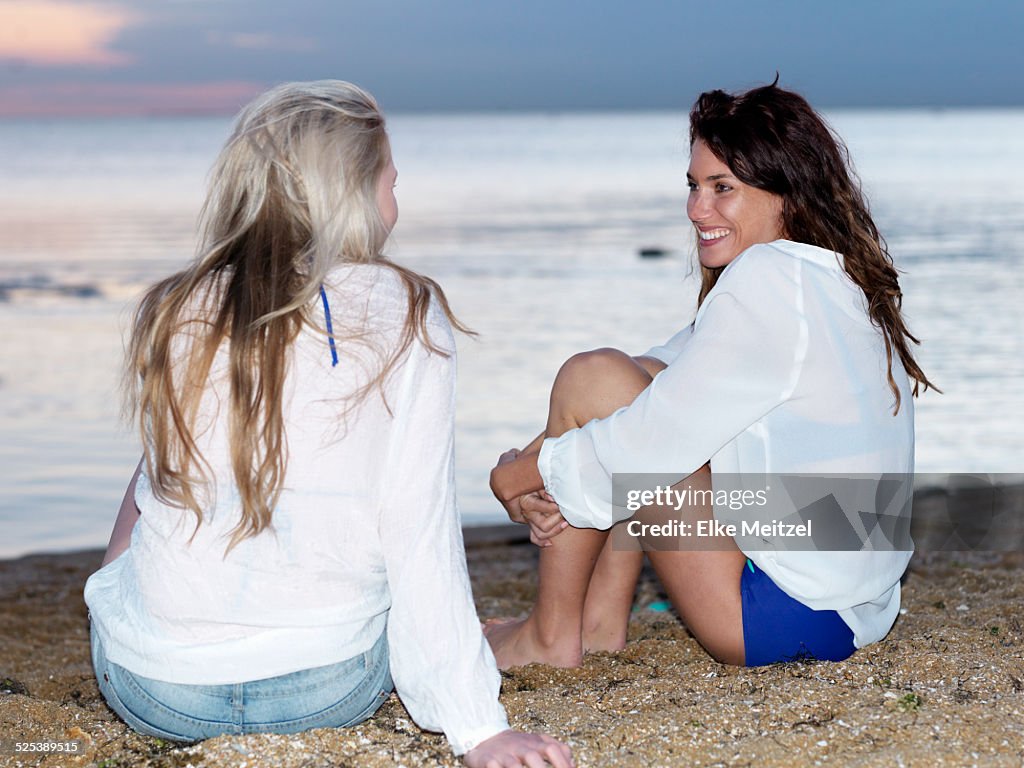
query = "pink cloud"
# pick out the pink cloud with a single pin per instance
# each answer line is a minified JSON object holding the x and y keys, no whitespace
{"x":60,"y":33}
{"x":102,"y":99}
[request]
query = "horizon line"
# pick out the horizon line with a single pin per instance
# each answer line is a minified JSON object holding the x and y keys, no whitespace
{"x":211,"y":112}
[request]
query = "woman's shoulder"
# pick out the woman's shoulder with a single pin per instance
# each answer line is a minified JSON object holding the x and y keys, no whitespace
{"x":782,"y":255}
{"x":377,"y":298}
{"x":378,"y":282}
{"x":775,"y":264}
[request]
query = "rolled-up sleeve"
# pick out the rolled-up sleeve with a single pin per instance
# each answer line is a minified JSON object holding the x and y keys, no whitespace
{"x":442,"y":666}
{"x":742,"y":359}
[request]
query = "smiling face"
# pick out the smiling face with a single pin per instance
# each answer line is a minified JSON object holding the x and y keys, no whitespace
{"x":729,"y":216}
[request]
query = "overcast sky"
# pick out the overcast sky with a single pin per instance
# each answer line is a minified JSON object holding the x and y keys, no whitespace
{"x":103,"y":56}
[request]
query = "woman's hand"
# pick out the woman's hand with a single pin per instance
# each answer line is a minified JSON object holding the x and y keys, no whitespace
{"x":544,"y":517}
{"x":537,"y":509}
{"x":510,"y":748}
{"x":513,"y":506}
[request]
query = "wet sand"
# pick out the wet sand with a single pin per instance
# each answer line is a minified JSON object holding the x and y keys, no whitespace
{"x":945,"y":688}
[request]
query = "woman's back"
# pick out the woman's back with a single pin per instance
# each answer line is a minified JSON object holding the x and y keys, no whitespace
{"x":312,"y":588}
{"x":295,"y":527}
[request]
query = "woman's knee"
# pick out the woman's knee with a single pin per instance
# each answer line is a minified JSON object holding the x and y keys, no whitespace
{"x":595,"y":361}
{"x":592,"y":385}
{"x":585,"y":369}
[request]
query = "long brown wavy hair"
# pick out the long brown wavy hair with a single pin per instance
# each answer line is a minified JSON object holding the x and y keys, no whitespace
{"x":772,"y":139}
{"x":292,"y":195}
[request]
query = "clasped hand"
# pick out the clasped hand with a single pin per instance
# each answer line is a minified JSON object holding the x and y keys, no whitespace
{"x":536,"y":509}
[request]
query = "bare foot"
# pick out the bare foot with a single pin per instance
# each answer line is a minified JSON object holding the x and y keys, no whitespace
{"x":517,"y":643}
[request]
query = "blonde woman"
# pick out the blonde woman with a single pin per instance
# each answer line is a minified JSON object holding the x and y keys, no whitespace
{"x":290,"y":544}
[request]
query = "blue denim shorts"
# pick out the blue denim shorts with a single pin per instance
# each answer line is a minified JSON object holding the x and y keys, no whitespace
{"x":777,"y":627}
{"x":334,"y":696}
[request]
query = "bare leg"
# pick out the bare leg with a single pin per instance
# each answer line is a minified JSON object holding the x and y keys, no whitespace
{"x":552,"y":633}
{"x":703,"y":585}
{"x":610,"y":596}
{"x":613,"y":583}
{"x":589,"y":386}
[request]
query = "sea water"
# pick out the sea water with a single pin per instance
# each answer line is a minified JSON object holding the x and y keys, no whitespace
{"x":533,"y":224}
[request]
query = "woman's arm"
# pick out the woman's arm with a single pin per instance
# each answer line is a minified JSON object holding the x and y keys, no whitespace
{"x":439,"y":659}
{"x":521,"y":472}
{"x":443,"y":669}
{"x":127,"y":516}
{"x":537,"y":508}
{"x":743,"y":359}
{"x":515,"y":478}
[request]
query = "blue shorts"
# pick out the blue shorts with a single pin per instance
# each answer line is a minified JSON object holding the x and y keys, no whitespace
{"x":777,"y":627}
{"x":334,"y":696}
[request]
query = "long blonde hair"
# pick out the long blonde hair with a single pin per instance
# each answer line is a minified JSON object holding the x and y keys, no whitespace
{"x":292,"y":195}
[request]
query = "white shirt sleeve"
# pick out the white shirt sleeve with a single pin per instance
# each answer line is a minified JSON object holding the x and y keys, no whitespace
{"x":742,"y":360}
{"x":669,"y":351}
{"x":442,"y":666}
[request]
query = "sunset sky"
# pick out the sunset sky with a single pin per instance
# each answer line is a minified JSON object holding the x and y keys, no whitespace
{"x":71,"y":57}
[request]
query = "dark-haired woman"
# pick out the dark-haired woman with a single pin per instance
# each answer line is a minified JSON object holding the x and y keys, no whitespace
{"x":798,"y":361}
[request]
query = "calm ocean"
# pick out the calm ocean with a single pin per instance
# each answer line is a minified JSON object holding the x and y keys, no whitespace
{"x":532,"y":223}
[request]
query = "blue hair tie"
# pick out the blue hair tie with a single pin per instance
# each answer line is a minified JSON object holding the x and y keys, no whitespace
{"x":330,"y":327}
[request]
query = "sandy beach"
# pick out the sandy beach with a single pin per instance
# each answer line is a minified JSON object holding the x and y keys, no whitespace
{"x":945,"y":688}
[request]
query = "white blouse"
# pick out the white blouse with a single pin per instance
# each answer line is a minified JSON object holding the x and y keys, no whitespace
{"x":781,"y":372}
{"x":366,"y":535}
